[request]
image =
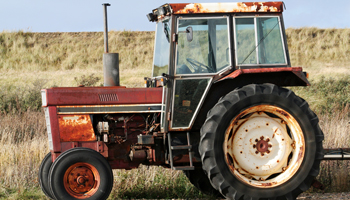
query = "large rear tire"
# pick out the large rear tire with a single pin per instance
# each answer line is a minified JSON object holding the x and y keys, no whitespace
{"x":261,"y":142}
{"x":200,"y":180}
{"x":81,"y":173}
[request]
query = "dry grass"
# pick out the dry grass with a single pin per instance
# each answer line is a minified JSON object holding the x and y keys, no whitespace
{"x":335,"y":175}
{"x":56,"y":58}
{"x":59,"y":57}
{"x":320,"y":51}
{"x":24,"y":144}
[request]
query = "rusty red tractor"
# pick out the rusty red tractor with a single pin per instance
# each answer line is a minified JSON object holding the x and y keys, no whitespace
{"x":215,"y":107}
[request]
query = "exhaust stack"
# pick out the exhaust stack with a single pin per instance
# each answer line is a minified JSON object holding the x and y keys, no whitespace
{"x":110,"y":60}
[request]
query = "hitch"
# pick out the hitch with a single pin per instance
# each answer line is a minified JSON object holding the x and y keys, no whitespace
{"x":318,"y":185}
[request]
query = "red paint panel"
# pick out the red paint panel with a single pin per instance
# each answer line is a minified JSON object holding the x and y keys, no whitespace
{"x":54,"y":155}
{"x":102,"y":96}
{"x":54,"y":129}
{"x":76,"y":128}
{"x":98,"y":146}
{"x":121,"y":164}
{"x":298,"y":71}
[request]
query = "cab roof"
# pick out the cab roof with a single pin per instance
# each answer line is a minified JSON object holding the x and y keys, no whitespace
{"x":198,"y":8}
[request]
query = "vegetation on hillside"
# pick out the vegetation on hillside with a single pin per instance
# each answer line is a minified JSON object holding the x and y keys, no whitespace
{"x":31,"y":61}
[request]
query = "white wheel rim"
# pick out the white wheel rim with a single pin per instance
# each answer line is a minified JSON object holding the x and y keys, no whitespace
{"x":264,"y":146}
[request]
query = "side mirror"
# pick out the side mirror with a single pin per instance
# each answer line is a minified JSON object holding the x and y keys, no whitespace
{"x":189,"y":33}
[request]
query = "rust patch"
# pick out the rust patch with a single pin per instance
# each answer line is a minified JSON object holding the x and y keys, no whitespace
{"x":283,"y":113}
{"x":301,"y":154}
{"x":268,"y":184}
{"x":76,"y":128}
{"x":250,"y":7}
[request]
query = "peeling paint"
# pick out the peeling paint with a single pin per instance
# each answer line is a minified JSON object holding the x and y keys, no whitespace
{"x":76,"y":128}
{"x":250,"y":7}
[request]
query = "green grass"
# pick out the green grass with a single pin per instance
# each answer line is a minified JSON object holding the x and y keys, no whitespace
{"x":327,"y":94}
{"x":19,"y":194}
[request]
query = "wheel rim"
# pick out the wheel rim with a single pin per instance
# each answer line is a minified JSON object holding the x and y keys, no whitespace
{"x":81,"y":180}
{"x":264,"y":146}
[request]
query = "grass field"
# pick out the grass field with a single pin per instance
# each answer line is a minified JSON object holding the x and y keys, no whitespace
{"x":31,"y":61}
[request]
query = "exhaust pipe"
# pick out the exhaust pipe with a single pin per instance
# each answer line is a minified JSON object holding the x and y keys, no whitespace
{"x":110,"y":60}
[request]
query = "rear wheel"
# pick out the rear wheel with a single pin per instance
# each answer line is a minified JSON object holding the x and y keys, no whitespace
{"x":261,"y":142}
{"x":43,"y":175}
{"x":200,"y":180}
{"x":81,"y":173}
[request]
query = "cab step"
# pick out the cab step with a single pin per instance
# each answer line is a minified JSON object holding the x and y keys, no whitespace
{"x":180,"y":147}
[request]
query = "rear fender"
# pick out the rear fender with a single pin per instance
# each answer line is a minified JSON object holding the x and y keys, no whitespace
{"x":285,"y":76}
{"x":282,"y":76}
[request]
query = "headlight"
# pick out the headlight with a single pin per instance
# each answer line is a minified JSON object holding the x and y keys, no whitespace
{"x":43,"y":98}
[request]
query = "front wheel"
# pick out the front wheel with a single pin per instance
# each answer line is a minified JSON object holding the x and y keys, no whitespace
{"x":81,"y":173}
{"x":43,"y":175}
{"x":261,"y":142}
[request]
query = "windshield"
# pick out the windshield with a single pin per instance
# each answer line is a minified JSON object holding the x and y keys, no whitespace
{"x":161,"y":48}
{"x":259,"y":41}
{"x":207,"y":50}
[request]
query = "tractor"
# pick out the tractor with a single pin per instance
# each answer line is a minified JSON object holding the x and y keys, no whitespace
{"x":215,"y":107}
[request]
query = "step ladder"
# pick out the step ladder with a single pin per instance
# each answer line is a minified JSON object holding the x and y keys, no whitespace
{"x":180,"y":147}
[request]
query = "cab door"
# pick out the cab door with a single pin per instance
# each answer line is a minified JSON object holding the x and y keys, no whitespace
{"x":202,"y":51}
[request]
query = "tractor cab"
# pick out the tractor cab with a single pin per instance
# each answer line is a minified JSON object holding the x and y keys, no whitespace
{"x":215,"y":107}
{"x":198,"y":44}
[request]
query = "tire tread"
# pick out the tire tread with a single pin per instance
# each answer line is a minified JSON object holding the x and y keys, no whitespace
{"x":215,"y":115}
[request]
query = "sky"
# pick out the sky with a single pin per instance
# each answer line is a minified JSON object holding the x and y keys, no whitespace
{"x":87,"y":15}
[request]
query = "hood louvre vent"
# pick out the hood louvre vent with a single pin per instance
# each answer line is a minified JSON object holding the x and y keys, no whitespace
{"x":108,"y":97}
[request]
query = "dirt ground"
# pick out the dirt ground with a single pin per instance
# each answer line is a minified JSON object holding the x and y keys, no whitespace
{"x":333,"y":196}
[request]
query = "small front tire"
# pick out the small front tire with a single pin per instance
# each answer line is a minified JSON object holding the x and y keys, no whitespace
{"x":81,"y":173}
{"x":43,"y":175}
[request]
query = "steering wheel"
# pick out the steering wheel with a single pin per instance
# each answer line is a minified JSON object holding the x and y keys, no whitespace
{"x":196,"y":65}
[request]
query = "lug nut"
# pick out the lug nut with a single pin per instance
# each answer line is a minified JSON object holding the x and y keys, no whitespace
{"x":293,"y":145}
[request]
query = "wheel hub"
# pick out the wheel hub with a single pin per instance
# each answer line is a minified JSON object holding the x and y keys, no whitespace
{"x":81,"y":180}
{"x":260,"y":147}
